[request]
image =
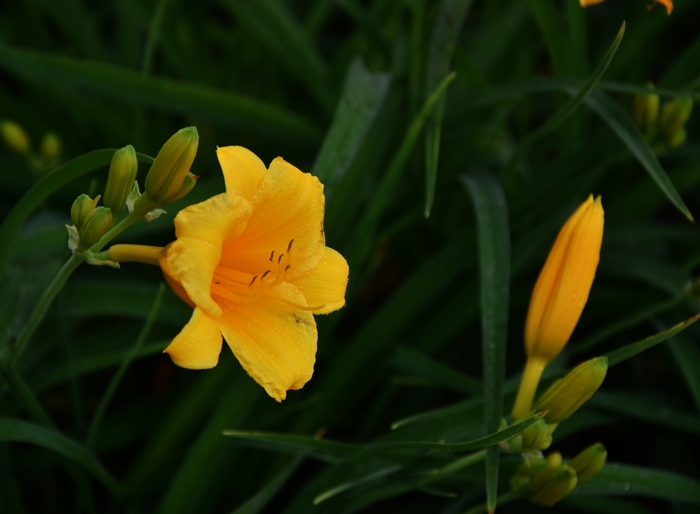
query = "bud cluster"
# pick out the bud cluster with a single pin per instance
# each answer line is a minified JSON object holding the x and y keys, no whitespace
{"x":168,"y":180}
{"x":663,"y":125}
{"x":16,"y":139}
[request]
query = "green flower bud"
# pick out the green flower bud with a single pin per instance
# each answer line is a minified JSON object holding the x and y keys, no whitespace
{"x":589,"y":462}
{"x":120,"y":181}
{"x":172,"y":165}
{"x":537,"y":436}
{"x":678,"y":138}
{"x":50,"y":146}
{"x":14,"y":136}
{"x":646,"y":110}
{"x":567,"y":395}
{"x":82,"y":206}
{"x":96,"y":224}
{"x":526,"y":472}
{"x":674,"y":116}
{"x":550,"y":485}
{"x":187,"y":186}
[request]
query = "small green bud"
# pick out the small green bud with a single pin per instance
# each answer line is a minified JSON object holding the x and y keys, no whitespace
{"x":674,"y":116}
{"x":554,"y":460}
{"x":678,"y":138}
{"x":187,"y":186}
{"x":50,"y":146}
{"x":172,"y":165}
{"x":96,"y":224}
{"x":537,"y":436}
{"x":646,"y":110}
{"x":82,"y":206}
{"x":14,"y":136}
{"x":120,"y":181}
{"x":526,"y":472}
{"x":567,"y":395}
{"x":550,"y":485}
{"x":589,"y":462}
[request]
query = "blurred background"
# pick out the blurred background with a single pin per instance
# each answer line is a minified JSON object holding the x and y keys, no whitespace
{"x":337,"y":88}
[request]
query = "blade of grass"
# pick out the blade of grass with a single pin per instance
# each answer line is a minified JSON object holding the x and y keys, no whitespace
{"x":618,"y":480}
{"x":633,"y":349}
{"x":262,"y":498}
{"x":553,"y":30}
{"x":163,"y":93}
{"x":117,"y":378}
{"x":687,"y":357}
{"x":414,"y":360}
{"x":621,"y":123}
{"x":362,"y":98}
{"x":562,"y":114}
{"x":448,"y":25}
{"x":18,"y":431}
{"x":320,"y":449}
{"x":494,"y":265}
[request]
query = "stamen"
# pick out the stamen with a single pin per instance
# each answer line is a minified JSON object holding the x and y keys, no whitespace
{"x":265,"y":274}
{"x":289,"y":248}
{"x":272,"y":255}
{"x":253,"y":281}
{"x":280,"y":259}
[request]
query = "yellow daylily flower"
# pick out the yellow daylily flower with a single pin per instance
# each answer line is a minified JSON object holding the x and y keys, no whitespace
{"x":253,"y":264}
{"x":560,"y":294}
{"x":668,"y":4}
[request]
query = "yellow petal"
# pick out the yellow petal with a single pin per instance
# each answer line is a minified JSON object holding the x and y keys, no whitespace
{"x":326,"y":283}
{"x":288,"y":205}
{"x":201,"y":230}
{"x":562,"y":289}
{"x":243,"y":170}
{"x":198,"y":345}
{"x":668,"y":4}
{"x":274,"y":341}
{"x":586,"y":3}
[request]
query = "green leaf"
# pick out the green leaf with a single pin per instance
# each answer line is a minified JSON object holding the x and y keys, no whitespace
{"x":362,"y":98}
{"x":166,"y":94}
{"x":633,"y":349}
{"x":494,"y":266}
{"x":320,"y":449}
{"x":625,"y":128}
{"x":262,"y":498}
{"x":646,"y":410}
{"x":192,"y":482}
{"x":17,"y":431}
{"x":416,"y":361}
{"x":687,"y":357}
{"x":618,"y":480}
{"x":448,"y":26}
{"x":553,"y":29}
{"x":568,"y":109}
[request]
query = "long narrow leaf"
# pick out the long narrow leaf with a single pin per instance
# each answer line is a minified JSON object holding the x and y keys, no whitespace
{"x":567,"y":110}
{"x":494,"y":266}
{"x":166,"y":94}
{"x":14,"y":430}
{"x":448,"y":25}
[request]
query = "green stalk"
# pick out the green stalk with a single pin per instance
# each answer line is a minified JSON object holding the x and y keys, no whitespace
{"x":107,"y":397}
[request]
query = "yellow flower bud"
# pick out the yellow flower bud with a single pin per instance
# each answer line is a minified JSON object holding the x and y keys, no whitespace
{"x":674,"y":116}
{"x":567,"y":395}
{"x":82,"y":206}
{"x":554,"y":460}
{"x":589,"y":462}
{"x":50,"y":146}
{"x":562,"y":288}
{"x":559,"y":295}
{"x":586,"y":3}
{"x":120,"y":181}
{"x":172,"y":165}
{"x":646,"y":111}
{"x":14,"y":136}
{"x":96,"y":224}
{"x":551,"y":485}
{"x":187,"y":186}
{"x":536,"y":437}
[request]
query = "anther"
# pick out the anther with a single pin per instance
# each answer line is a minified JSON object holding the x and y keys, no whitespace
{"x":288,"y":266}
{"x":279,"y":261}
{"x":272,"y":255}
{"x":289,"y":248}
{"x":265,"y":274}
{"x":253,"y":281}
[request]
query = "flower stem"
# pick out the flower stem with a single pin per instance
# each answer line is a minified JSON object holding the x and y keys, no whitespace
{"x":528,"y":387}
{"x":107,"y":397}
{"x":133,"y":253}
{"x":44,"y":303}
